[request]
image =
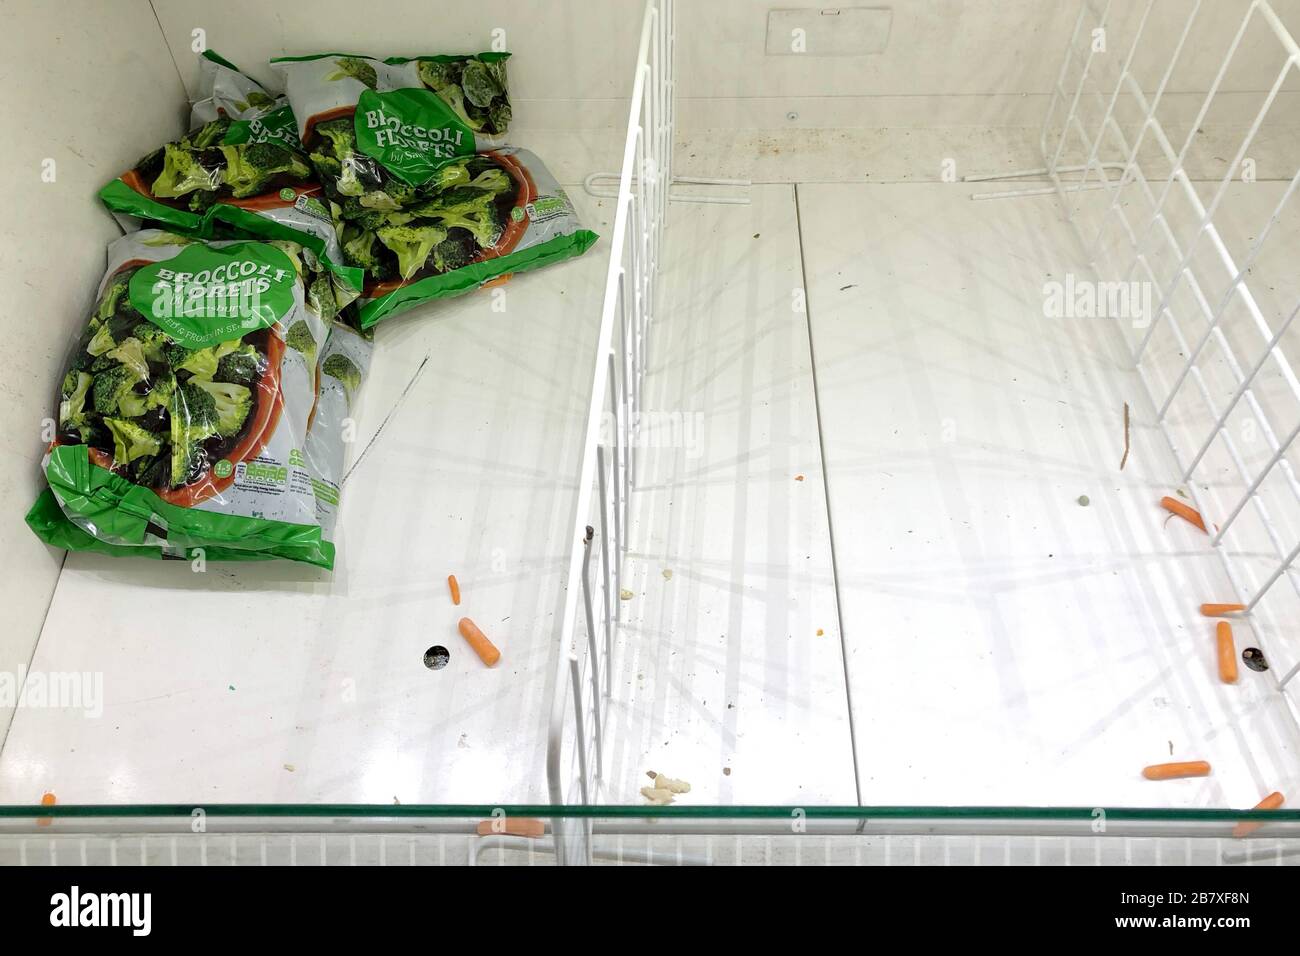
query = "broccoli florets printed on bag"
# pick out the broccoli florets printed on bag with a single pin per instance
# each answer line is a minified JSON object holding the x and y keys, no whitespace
{"x":250,"y":167}
{"x":108,"y":334}
{"x":242,"y":366}
{"x":342,"y":368}
{"x":467,"y":208}
{"x":475,"y":91}
{"x":299,"y":337}
{"x":411,"y":244}
{"x":130,"y":352}
{"x":335,"y":156}
{"x":131,"y":440}
{"x":443,"y":232}
{"x":183,"y":172}
{"x":258,"y":100}
{"x":321,"y":298}
{"x":200,"y":168}
{"x":391,"y":198}
{"x":355,"y":68}
{"x":193,"y":421}
{"x":153,"y":341}
{"x":359,"y":249}
{"x":201,"y":363}
{"x":160,"y":395}
{"x":291,"y":249}
{"x":153,"y":471}
{"x":113,"y":386}
{"x":208,"y":135}
{"x":231,"y":404}
{"x":114,"y":291}
{"x":72,"y":403}
{"x":452,"y":174}
{"x":456,"y":252}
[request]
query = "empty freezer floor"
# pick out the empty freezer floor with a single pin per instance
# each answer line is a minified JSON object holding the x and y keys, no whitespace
{"x":729,"y":666}
{"x":275,"y":683}
{"x":1001,"y":643}
{"x":1006,"y":645}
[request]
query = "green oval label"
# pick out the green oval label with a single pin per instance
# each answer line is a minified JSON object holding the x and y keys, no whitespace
{"x":223,"y":468}
{"x":207,"y":295}
{"x":411,"y":132}
{"x":277,"y":126}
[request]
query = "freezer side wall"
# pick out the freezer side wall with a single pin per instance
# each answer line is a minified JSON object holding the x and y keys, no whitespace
{"x":88,"y":88}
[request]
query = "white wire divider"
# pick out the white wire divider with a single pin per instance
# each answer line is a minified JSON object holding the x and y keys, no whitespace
{"x":605,"y":185}
{"x":575,"y":754}
{"x":1198,"y":318}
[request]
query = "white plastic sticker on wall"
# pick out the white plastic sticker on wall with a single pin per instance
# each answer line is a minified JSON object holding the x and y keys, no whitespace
{"x":828,"y":31}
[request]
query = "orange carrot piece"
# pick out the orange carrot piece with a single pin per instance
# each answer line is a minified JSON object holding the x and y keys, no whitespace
{"x":1218,"y":610}
{"x":512,"y":826}
{"x":47,"y":800}
{"x":1227,"y":653}
{"x":1175,"y":771}
{"x":454,"y":586}
{"x":1174,"y":506}
{"x":485,"y":649}
{"x":1272,"y":802}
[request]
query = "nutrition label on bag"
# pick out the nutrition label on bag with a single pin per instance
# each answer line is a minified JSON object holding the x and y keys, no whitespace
{"x":546,"y":208}
{"x":264,"y":475}
{"x":310,"y":205}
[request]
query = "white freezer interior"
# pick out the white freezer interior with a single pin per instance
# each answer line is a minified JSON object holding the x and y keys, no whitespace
{"x":1000,"y":644}
{"x":859,"y":569}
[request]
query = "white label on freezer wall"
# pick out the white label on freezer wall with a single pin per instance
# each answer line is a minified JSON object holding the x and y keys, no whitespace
{"x":828,"y":31}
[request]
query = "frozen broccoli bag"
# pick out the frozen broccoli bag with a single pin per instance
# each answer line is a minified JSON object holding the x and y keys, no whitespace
{"x":378,"y":131}
{"x":508,"y":215}
{"x":183,"y":418}
{"x":240,"y":168}
{"x":426,"y":200}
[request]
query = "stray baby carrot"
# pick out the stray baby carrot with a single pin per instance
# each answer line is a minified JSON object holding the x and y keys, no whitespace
{"x":485,"y":649}
{"x":454,"y":586}
{"x":1174,"y":506}
{"x":1272,"y":802}
{"x":512,"y":826}
{"x":1227,"y":653}
{"x":47,"y":800}
{"x":1176,"y":771}
{"x":1218,"y":610}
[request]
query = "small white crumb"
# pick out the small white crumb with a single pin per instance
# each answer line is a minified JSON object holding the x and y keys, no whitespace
{"x":289,"y":767}
{"x":659,"y":798}
{"x":671,"y":785}
{"x":625,"y":595}
{"x":668,"y":574}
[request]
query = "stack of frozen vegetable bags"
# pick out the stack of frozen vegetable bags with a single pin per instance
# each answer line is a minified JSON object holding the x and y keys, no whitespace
{"x":207,"y":400}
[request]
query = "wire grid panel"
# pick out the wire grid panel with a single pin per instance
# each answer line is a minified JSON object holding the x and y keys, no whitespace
{"x":242,"y":849}
{"x":591,"y":606}
{"x":641,"y":849}
{"x":1205,"y":265}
